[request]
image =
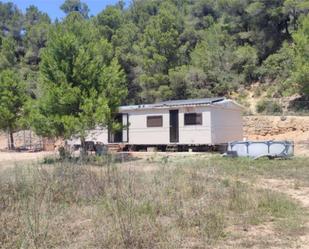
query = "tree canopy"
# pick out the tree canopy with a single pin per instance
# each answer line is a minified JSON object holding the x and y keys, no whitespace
{"x":70,"y":6}
{"x":12,"y":100}
{"x":81,"y":81}
{"x":301,"y":67}
{"x":76,"y":70}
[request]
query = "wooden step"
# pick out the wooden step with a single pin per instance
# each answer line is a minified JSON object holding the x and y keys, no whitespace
{"x":113,"y":148}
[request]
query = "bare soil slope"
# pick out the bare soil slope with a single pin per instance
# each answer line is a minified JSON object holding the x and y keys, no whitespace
{"x":294,"y":128}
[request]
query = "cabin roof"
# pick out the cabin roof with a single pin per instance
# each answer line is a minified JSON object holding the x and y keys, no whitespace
{"x":177,"y":103}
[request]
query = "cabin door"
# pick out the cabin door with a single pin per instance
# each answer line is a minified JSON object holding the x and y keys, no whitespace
{"x":174,"y":126}
{"x":115,"y":136}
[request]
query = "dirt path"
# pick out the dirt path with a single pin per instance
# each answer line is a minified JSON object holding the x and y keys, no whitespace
{"x":301,"y":194}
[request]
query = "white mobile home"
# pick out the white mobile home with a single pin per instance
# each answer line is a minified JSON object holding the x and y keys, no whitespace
{"x":208,"y":121}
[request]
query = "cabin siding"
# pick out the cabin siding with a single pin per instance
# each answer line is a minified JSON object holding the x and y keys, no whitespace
{"x":195,"y":134}
{"x":221,"y":123}
{"x":139,"y":133}
{"x":226,"y":125}
{"x":96,"y":135}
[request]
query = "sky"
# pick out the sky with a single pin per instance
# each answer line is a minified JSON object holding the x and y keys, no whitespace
{"x":52,"y":7}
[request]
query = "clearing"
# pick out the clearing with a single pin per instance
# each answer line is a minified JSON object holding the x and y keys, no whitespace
{"x":161,"y":200}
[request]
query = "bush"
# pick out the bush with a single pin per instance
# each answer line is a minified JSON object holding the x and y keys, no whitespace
{"x":268,"y":107}
{"x":245,"y":61}
{"x":278,"y":66}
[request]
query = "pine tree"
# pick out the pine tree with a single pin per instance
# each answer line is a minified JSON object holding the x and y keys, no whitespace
{"x":12,"y":100}
{"x":81,"y":81}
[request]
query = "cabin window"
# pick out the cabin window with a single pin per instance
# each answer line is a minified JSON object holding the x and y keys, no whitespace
{"x":154,"y":121}
{"x":193,"y":119}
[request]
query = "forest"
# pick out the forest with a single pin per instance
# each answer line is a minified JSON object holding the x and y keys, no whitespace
{"x":64,"y":76}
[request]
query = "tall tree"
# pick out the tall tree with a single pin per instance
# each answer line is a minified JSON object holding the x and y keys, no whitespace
{"x":158,"y":53}
{"x":11,"y":19}
{"x":82,"y":83}
{"x":294,"y":9}
{"x":36,"y":28}
{"x":70,"y":6}
{"x":124,"y":42}
{"x":301,"y":64}
{"x":33,"y":16}
{"x":109,"y":20}
{"x":214,"y":55}
{"x":8,"y":47}
{"x":12,"y":99}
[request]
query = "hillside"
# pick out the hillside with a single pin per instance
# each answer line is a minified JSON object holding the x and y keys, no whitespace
{"x":262,"y":99}
{"x":171,"y":49}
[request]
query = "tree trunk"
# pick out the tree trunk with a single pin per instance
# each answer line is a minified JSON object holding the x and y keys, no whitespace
{"x":11,"y":140}
{"x":83,"y":151}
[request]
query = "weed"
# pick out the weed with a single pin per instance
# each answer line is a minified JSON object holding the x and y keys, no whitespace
{"x":183,"y":203}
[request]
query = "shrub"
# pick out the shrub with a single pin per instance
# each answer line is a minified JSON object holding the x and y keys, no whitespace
{"x":278,"y":65}
{"x":268,"y":107}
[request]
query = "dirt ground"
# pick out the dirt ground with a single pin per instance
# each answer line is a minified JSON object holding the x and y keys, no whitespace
{"x":148,"y":162}
{"x":23,"y":156}
{"x":9,"y":159}
{"x":300,"y":194}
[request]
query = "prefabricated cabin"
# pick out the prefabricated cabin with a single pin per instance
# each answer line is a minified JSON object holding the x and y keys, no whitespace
{"x":208,"y":121}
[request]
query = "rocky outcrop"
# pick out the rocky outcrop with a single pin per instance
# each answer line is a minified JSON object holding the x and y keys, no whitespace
{"x":274,"y":125}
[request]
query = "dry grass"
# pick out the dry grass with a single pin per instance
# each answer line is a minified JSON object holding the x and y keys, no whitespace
{"x":183,"y":203}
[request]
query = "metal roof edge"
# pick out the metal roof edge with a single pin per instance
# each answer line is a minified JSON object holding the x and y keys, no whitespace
{"x":234,"y":103}
{"x":179,"y":103}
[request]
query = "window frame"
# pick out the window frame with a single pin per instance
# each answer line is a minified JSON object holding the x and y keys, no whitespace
{"x":197,"y":114}
{"x":148,"y":125}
